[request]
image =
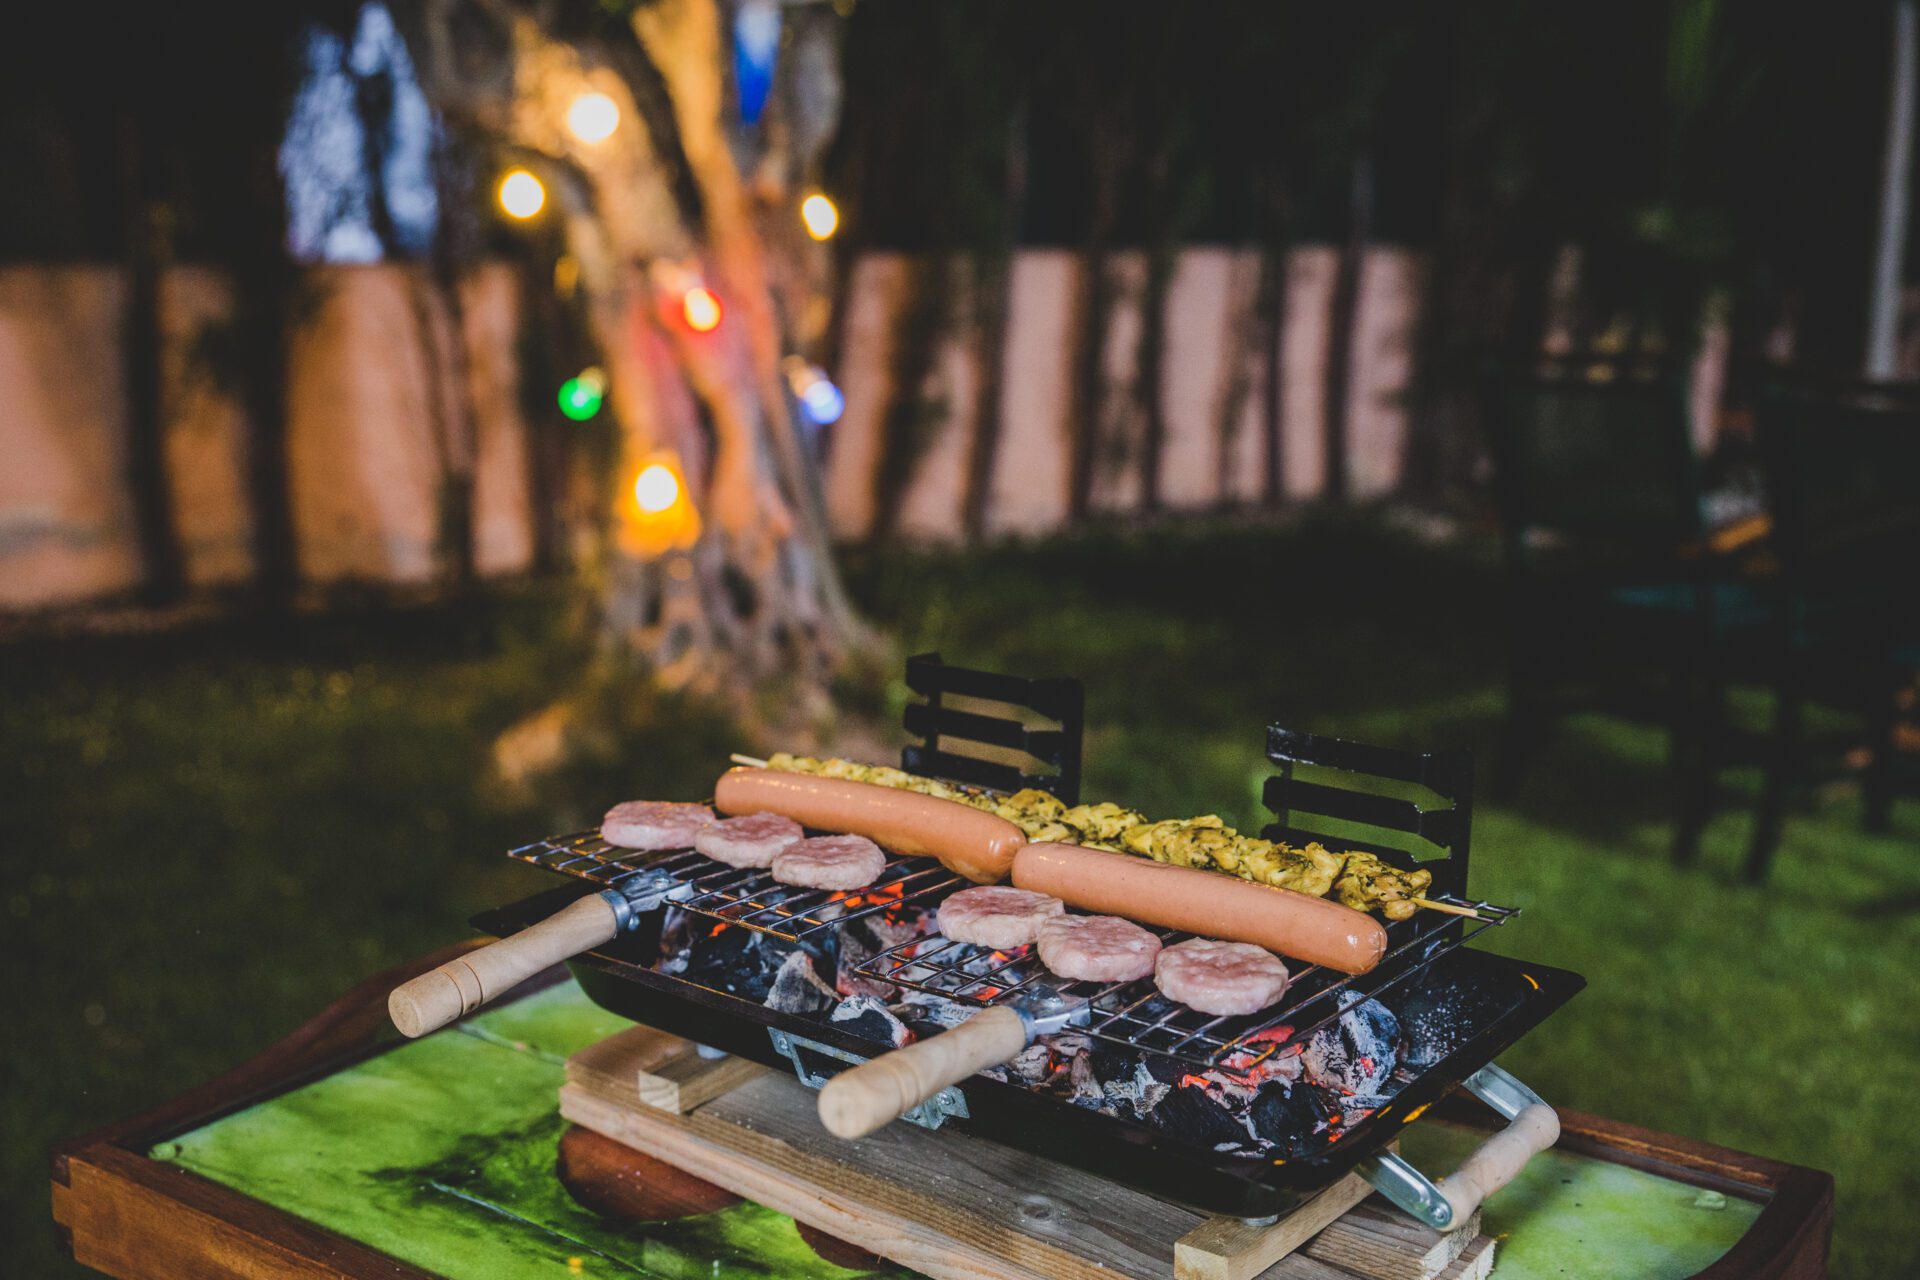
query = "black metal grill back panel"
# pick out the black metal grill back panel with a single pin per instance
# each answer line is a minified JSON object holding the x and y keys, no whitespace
{"x":938,"y":726}
{"x":1358,"y":773}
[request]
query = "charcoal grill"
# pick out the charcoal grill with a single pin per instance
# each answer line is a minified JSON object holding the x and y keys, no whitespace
{"x":1502,"y":998}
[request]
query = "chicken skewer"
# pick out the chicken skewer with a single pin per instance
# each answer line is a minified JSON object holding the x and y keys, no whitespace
{"x":1358,"y":880}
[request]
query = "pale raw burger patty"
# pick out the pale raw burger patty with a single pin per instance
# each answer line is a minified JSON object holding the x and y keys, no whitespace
{"x":1097,"y":948}
{"x":749,"y":841}
{"x":830,"y":862}
{"x":654,"y":824}
{"x":995,"y":916}
{"x":1220,"y":977}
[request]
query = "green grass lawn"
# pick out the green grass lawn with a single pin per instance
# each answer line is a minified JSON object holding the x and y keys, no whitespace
{"x":209,"y":835}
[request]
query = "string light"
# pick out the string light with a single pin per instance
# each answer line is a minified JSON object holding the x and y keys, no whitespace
{"x":820,"y":401}
{"x":820,"y":215}
{"x":592,"y":117}
{"x":656,"y":489}
{"x":661,"y":517}
{"x":581,"y":396}
{"x":521,"y":194}
{"x":700,"y":307}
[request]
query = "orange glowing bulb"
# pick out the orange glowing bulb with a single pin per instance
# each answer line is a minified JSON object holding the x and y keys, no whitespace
{"x":701,"y":308}
{"x":656,"y":489}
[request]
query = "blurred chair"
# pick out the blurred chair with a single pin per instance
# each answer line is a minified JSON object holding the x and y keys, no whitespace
{"x":1616,"y":600}
{"x":1842,"y":467}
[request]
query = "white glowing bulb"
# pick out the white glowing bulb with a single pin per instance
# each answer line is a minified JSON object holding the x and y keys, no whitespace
{"x":593,"y":117}
{"x":521,"y":194}
{"x":656,"y":489}
{"x":820,"y":215}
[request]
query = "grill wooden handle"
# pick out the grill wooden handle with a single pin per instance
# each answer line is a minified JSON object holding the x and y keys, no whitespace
{"x":1499,"y":1159}
{"x":462,"y":985}
{"x":875,"y":1093}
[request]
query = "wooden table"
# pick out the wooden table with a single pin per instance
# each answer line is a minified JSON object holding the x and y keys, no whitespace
{"x":158,"y":1194}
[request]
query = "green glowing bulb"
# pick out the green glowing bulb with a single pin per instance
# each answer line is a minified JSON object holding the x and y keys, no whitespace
{"x":580,"y":398}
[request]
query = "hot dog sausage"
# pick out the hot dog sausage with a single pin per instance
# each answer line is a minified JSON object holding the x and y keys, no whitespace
{"x":1204,"y":902}
{"x":968,"y":841}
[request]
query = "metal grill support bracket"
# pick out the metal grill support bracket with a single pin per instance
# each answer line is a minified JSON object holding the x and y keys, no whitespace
{"x":1426,"y":1200}
{"x":930,"y":1114}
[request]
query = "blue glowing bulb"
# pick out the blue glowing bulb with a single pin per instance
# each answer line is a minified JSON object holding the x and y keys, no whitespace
{"x":822,"y":403}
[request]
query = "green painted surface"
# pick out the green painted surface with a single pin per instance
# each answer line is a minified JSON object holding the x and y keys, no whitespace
{"x":442,"y":1152}
{"x":1568,"y":1216}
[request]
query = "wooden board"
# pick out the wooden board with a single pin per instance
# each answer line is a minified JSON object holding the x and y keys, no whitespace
{"x":1376,"y":1239}
{"x":1234,"y":1249}
{"x":954,"y":1206}
{"x":666,"y":1072}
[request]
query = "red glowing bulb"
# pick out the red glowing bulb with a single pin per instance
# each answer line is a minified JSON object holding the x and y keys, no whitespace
{"x":701,"y":308}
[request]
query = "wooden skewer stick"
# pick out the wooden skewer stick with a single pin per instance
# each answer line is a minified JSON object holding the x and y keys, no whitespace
{"x":1447,"y":908}
{"x":748,"y":761}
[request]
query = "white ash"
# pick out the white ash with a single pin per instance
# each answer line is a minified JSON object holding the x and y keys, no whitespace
{"x":1357,"y":1053}
{"x":1284,"y":1068}
{"x":1355,"y":1107}
{"x":1032,"y":1064}
{"x":922,"y":1006}
{"x":798,"y":989}
{"x":869,"y":1016}
{"x":1086,"y":1089}
{"x":1136,"y":1094}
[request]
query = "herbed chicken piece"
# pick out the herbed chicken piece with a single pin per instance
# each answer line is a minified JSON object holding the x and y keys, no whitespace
{"x":1311,"y":870}
{"x":1106,"y":822}
{"x":1030,"y":807}
{"x":1366,"y":882}
{"x":879,"y":775}
{"x":1174,"y":839}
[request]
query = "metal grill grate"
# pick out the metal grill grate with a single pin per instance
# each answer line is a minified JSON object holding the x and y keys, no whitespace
{"x":1135,"y":1014}
{"x":745,"y":896}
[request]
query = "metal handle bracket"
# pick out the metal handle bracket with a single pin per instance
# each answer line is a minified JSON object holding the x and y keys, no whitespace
{"x":930,"y":1114}
{"x":1440,"y":1205}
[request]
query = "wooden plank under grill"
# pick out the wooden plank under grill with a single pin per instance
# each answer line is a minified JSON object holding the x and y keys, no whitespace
{"x":962,"y":1208}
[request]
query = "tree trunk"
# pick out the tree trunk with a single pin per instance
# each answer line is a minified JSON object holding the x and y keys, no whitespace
{"x":787,"y":560}
{"x":734,"y":579}
{"x":904,"y":425}
{"x":539,"y":367}
{"x":992,"y":298}
{"x":459,"y":421}
{"x":1272,"y":328}
{"x":1090,"y":332}
{"x":1454,"y":318}
{"x":1343,"y":311}
{"x":263,"y":315}
{"x":1150,"y":387}
{"x":1883,"y":321}
{"x":148,"y":238}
